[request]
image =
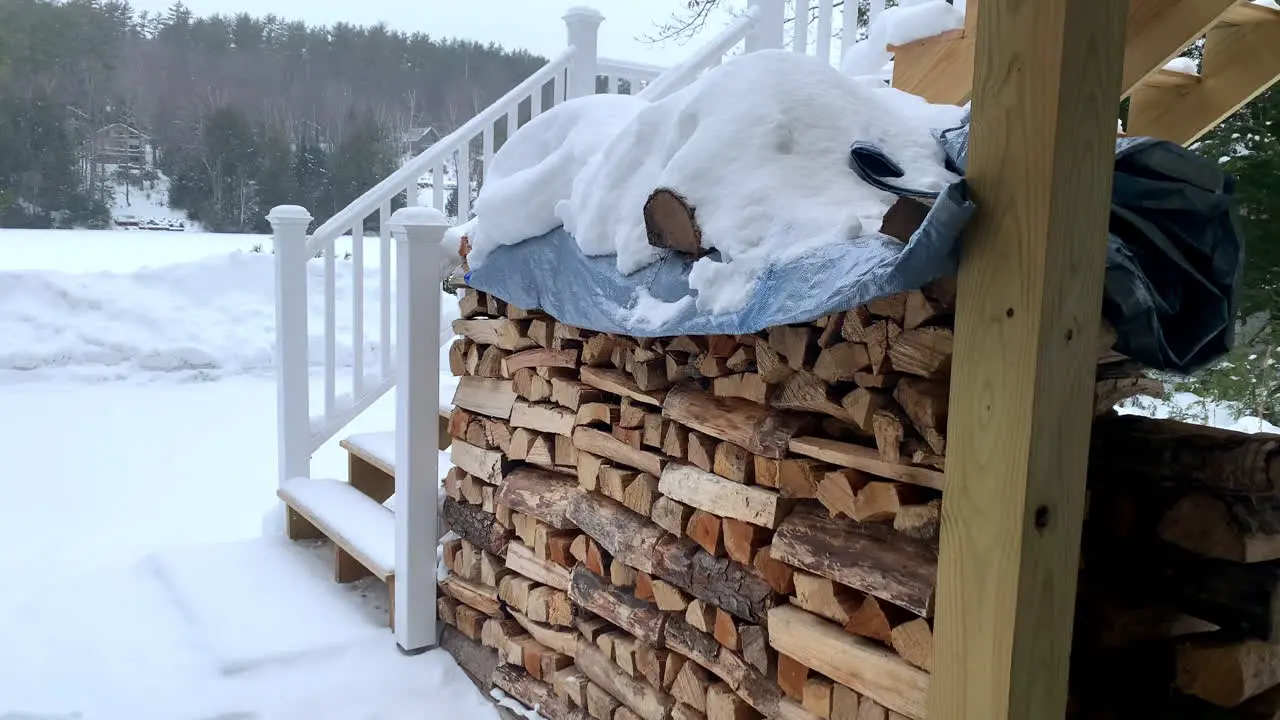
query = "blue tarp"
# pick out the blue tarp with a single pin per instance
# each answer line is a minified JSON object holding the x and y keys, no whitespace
{"x":1173,"y":265}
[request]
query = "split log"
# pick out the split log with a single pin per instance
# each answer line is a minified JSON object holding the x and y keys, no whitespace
{"x":1134,"y":449}
{"x":922,"y":522}
{"x":724,"y":704}
{"x":870,"y":558}
{"x":796,"y":343}
{"x":724,"y":498}
{"x":619,"y":607}
{"x":865,"y":459}
{"x":746,"y":386}
{"x":487,"y":465}
{"x":521,"y":559}
{"x":539,"y":358}
{"x":620,"y":383}
{"x":598,"y":443}
{"x":535,"y":694}
{"x":741,"y":539}
{"x":544,"y":495}
{"x":531,"y":386}
{"x":770,"y":364}
{"x":543,"y":418}
{"x":494,"y":398}
{"x":729,"y":585}
{"x":838,"y":491}
{"x":924,"y":351}
{"x":849,"y":660}
{"x":640,"y":494}
{"x":704,"y":529}
{"x":1109,"y":392}
{"x":473,"y":595}
{"x":600,"y":703}
{"x":477,"y":527}
{"x":561,"y":641}
{"x":596,"y":412}
{"x":670,"y":222}
{"x":733,"y":462}
{"x":792,"y":676}
{"x":1228,"y":673}
{"x":806,"y":392}
{"x":839,"y":362}
{"x":817,"y":696}
{"x":627,"y":536}
{"x":889,"y":432}
{"x":921,"y":310}
{"x":923,"y":401}
{"x":881,"y":501}
{"x":505,"y":333}
{"x":777,"y":574}
{"x":913,"y":640}
{"x":825,"y":598}
{"x":702,"y":451}
{"x":643,"y":699}
{"x":758,"y":429}
{"x":755,"y":647}
{"x":1237,"y":528}
{"x":670,"y":515}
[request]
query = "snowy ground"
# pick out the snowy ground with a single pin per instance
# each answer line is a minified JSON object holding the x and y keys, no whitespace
{"x":134,"y":492}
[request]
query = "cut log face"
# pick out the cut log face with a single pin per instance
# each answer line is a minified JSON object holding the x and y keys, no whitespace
{"x":669,"y":222}
{"x":1236,"y":528}
{"x":494,"y":398}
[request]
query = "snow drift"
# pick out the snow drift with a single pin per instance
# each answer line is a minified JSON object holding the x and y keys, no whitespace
{"x":759,"y":145}
{"x":204,"y":319}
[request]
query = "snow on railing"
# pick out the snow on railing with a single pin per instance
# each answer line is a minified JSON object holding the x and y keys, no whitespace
{"x":764,"y":26}
{"x":636,"y":75}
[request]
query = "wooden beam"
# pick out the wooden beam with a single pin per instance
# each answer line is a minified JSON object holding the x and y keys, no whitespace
{"x":1240,"y":62}
{"x":940,"y":68}
{"x":1030,"y":287}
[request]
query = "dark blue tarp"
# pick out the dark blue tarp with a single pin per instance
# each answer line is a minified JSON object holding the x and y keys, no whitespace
{"x":1173,"y":265}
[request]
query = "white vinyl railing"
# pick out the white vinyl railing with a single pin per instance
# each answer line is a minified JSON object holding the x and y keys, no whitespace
{"x":765,"y":26}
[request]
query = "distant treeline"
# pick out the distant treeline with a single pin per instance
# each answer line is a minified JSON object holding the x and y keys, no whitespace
{"x":244,"y":112}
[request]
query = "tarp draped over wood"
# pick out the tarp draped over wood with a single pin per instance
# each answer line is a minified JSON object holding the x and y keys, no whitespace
{"x":1174,"y":260}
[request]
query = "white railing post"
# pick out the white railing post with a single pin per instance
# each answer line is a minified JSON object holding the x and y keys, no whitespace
{"x":767,"y":34}
{"x":418,"y":232}
{"x":584,"y":36}
{"x":293,"y":416}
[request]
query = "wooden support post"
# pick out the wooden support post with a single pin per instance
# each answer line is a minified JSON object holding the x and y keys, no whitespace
{"x":419,"y":232}
{"x":1030,"y":289}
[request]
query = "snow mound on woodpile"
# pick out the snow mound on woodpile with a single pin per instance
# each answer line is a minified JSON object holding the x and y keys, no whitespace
{"x":760,"y":147}
{"x":535,"y":168}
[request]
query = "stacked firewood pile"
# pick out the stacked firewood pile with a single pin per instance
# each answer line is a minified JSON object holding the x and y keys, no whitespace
{"x":735,"y":526}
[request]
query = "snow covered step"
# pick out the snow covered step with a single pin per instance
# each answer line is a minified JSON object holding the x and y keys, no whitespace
{"x":376,"y":448}
{"x":1248,"y":13}
{"x":357,"y":524}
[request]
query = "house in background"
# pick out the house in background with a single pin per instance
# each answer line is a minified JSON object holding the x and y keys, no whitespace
{"x":119,"y":144}
{"x":414,"y":141}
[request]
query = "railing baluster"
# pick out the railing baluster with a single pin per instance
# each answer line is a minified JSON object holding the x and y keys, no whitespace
{"x":800,"y":40}
{"x":535,"y":108}
{"x":826,"y":11}
{"x":876,"y":7}
{"x":488,"y":149}
{"x":848,"y":27}
{"x":357,"y":309}
{"x":411,"y":193}
{"x":384,"y":287}
{"x":330,"y":334}
{"x":617,"y":79}
{"x":437,"y":186}
{"x":464,"y":183}
{"x":513,"y":118}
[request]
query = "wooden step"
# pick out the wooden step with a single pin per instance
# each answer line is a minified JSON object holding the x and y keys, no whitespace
{"x":1248,"y":13}
{"x":376,"y":448}
{"x":359,"y":526}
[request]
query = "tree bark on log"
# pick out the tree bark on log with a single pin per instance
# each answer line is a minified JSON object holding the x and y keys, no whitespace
{"x":729,"y":585}
{"x":477,"y":526}
{"x":1240,"y":529}
{"x":535,"y":694}
{"x":642,"y":698}
{"x":1135,"y":449}
{"x":627,"y":536}
{"x":477,"y":661}
{"x":640,"y":618}
{"x":755,"y":427}
{"x":671,"y":222}
{"x":544,"y":495}
{"x":866,"y":557}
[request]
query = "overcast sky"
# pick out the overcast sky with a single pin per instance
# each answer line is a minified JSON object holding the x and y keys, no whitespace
{"x":534,"y":25}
